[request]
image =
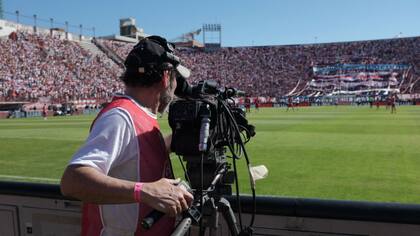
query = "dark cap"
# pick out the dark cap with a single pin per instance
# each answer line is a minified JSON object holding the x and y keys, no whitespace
{"x":152,"y":54}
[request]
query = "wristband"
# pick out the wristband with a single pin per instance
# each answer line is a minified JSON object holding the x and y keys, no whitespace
{"x":137,"y":191}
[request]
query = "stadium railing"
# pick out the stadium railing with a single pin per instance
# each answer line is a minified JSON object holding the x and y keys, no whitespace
{"x":40,"y":209}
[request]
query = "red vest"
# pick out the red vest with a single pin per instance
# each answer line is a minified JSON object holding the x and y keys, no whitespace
{"x":153,"y":162}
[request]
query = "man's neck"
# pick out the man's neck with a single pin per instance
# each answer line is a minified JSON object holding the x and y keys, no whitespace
{"x":146,"y":97}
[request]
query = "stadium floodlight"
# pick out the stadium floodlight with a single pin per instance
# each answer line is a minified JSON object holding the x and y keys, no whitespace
{"x":35,"y":23}
{"x":81,"y":31}
{"x":209,"y":40}
{"x":17,"y":16}
{"x":1,"y":9}
{"x":67,"y":29}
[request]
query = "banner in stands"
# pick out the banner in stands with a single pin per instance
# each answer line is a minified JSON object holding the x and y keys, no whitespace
{"x":358,"y":77}
{"x":359,"y":67}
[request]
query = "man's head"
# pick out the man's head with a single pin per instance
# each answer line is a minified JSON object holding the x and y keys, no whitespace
{"x":152,"y":65}
{"x":147,"y":61}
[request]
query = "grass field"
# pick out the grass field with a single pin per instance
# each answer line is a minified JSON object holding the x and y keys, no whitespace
{"x":351,"y":153}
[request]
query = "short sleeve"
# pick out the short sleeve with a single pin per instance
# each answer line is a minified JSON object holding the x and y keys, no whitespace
{"x":108,"y":140}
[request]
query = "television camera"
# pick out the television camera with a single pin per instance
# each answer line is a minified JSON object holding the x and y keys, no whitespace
{"x":206,"y":124}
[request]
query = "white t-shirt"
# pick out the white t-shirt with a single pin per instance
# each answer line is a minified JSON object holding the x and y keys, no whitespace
{"x":111,"y":142}
{"x":112,"y":148}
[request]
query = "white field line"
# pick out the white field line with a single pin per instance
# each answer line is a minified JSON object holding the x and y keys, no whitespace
{"x":17,"y":177}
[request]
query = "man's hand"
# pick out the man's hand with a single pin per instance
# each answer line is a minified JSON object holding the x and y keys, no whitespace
{"x":163,"y":195}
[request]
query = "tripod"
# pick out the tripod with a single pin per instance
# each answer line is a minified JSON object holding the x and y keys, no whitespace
{"x":212,"y":205}
{"x":205,"y":210}
{"x":210,"y":218}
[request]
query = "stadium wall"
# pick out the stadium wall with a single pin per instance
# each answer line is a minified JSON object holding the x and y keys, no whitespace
{"x":7,"y":27}
{"x":40,"y":209}
{"x":4,"y":114}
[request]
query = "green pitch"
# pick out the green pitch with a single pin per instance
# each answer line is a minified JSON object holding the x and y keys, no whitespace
{"x":350,"y":153}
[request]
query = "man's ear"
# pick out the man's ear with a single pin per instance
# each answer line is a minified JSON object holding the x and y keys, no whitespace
{"x":165,"y":78}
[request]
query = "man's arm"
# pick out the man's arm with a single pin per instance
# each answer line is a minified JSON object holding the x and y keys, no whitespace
{"x":89,"y":185}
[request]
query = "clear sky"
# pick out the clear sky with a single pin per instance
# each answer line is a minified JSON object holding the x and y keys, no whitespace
{"x":244,"y":22}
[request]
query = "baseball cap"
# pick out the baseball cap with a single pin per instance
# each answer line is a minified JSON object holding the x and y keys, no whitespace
{"x":150,"y":54}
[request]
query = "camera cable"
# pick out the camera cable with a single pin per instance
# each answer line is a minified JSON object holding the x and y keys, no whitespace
{"x":242,"y":147}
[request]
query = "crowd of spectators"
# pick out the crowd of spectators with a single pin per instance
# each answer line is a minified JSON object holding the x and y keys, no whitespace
{"x":33,"y":66}
{"x":272,"y":71}
{"x":120,"y":48}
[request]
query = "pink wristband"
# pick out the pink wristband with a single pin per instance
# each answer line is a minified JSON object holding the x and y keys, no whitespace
{"x":137,"y":191}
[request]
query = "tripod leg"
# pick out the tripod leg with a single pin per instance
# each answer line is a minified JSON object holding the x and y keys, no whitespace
{"x":182,"y":227}
{"x":224,"y":207}
{"x":202,"y":230}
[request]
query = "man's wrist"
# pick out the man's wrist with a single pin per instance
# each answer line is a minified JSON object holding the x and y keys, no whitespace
{"x":137,"y":191}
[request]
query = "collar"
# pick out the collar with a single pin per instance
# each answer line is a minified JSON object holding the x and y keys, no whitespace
{"x":145,"y":109}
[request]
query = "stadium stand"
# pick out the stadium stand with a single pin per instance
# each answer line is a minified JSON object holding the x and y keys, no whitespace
{"x":120,"y":48}
{"x":40,"y":66}
{"x":274,"y":70}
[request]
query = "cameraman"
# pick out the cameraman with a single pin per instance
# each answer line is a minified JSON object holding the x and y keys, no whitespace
{"x":123,"y":171}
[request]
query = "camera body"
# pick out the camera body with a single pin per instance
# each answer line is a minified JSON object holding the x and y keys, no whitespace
{"x":185,"y":120}
{"x":203,"y":126}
